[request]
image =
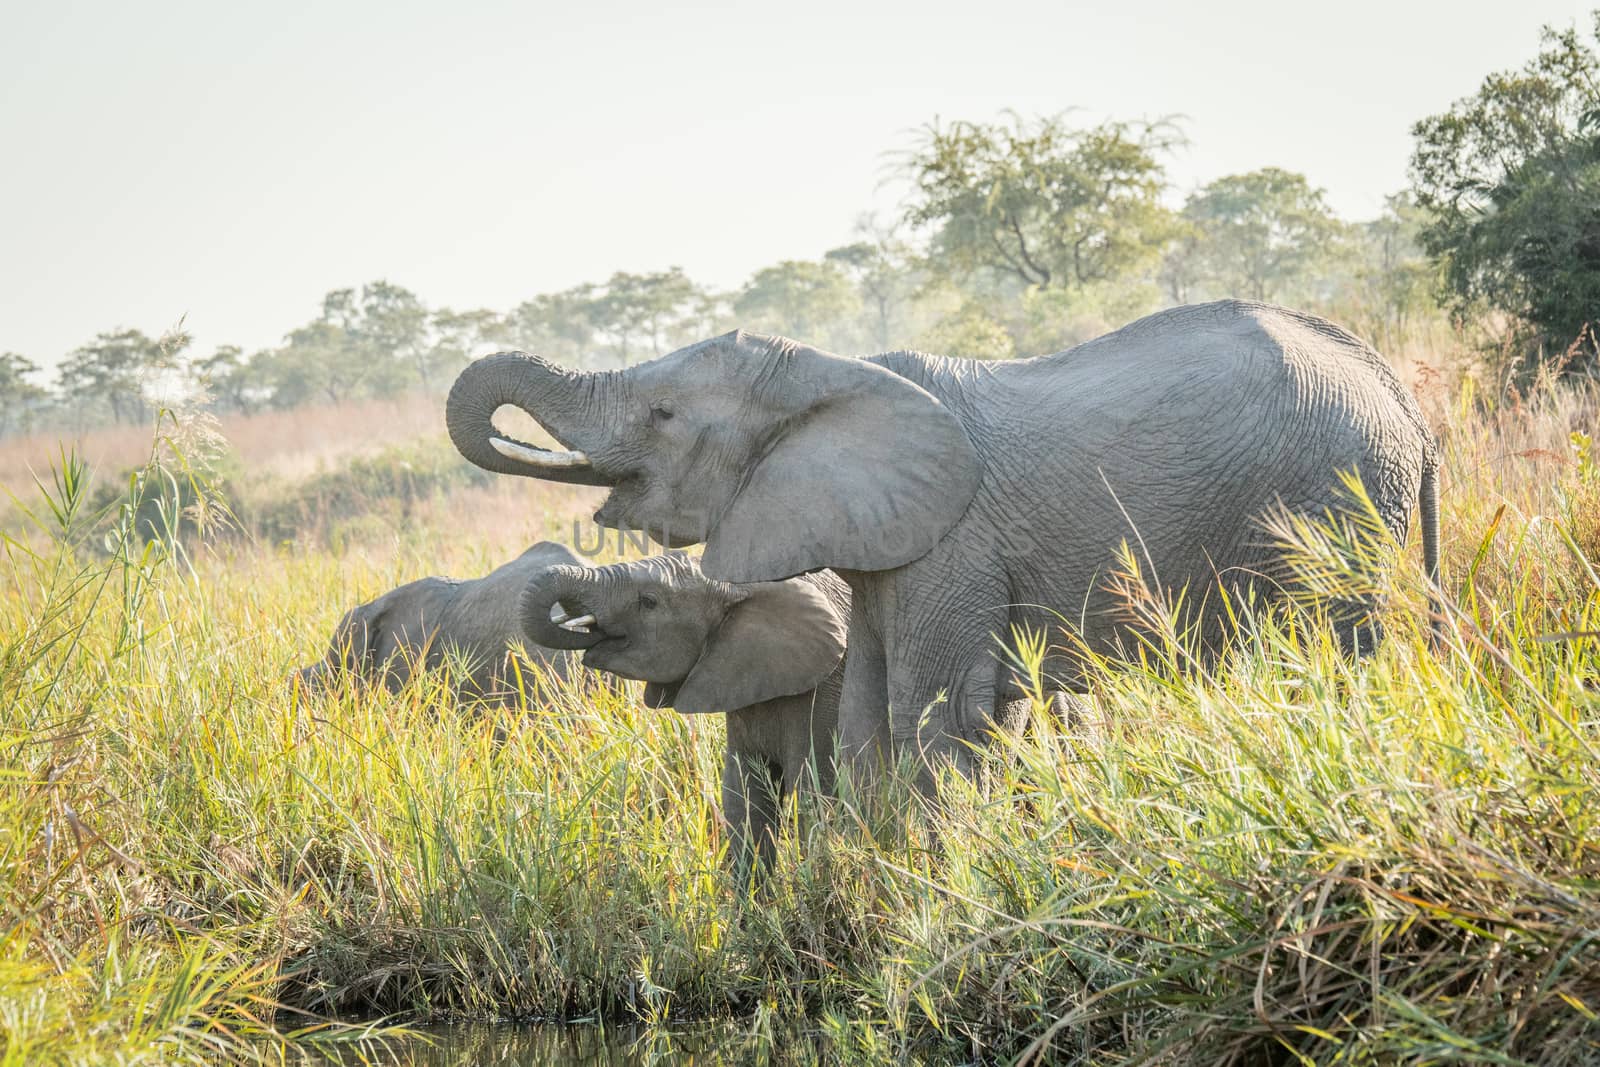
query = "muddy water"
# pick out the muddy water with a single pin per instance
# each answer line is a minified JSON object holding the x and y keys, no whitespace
{"x":701,"y":1045}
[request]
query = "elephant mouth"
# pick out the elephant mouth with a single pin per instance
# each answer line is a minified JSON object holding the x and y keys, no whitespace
{"x":594,"y":640}
{"x":574,"y":620}
{"x":569,"y":625}
{"x":598,"y":655}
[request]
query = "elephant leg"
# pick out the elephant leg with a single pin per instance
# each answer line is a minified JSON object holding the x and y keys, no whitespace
{"x":1070,"y":710}
{"x":863,"y":731}
{"x":941,"y":723}
{"x":751,"y":808}
{"x":944,"y":695}
{"x":805,"y":756}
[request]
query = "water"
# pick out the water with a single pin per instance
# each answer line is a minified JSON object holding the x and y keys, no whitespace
{"x":698,"y":1044}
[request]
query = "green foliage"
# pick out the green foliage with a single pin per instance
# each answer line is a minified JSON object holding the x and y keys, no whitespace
{"x":325,"y":361}
{"x":1511,"y":177}
{"x":887,"y":276}
{"x":630,"y":314}
{"x":367,"y":345}
{"x":800,"y":298}
{"x":20,"y":397}
{"x":970,"y":333}
{"x":642,"y":307}
{"x":1266,"y":235}
{"x":114,"y":370}
{"x":146,"y":985}
{"x":1392,"y":280}
{"x":1286,"y":857}
{"x":184,"y":499}
{"x":387,"y":484}
{"x":1019,"y":236}
{"x":558,"y":326}
{"x":165,"y":504}
{"x":235,"y":381}
{"x":389,"y":323}
{"x":1040,"y":202}
{"x":460,"y":336}
{"x":377,"y":342}
{"x":1049,"y":320}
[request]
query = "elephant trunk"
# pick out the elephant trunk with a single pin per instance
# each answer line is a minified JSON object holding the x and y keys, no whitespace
{"x":558,"y":399}
{"x":559,"y":608}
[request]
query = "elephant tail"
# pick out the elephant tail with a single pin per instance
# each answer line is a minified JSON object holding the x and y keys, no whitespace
{"x":1428,"y":510}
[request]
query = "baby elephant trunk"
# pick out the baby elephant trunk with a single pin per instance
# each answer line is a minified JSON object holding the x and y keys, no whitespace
{"x":562,"y":607}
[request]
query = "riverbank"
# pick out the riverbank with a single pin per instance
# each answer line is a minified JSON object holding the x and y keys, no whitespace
{"x":1393,"y":860}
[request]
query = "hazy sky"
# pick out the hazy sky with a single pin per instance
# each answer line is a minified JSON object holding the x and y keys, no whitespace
{"x":233,"y":163}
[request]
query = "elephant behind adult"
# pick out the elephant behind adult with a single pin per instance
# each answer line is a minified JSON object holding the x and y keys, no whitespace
{"x":471,"y":624}
{"x":961,"y":498}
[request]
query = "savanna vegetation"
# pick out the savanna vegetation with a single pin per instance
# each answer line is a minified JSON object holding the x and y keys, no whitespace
{"x":1289,"y":857}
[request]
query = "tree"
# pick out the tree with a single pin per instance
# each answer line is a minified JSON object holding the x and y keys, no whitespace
{"x":1264,"y":235}
{"x":19,"y":397}
{"x":391,"y":327}
{"x":799,"y":298}
{"x":1182,"y":266}
{"x":643,"y":306}
{"x":882,"y":267}
{"x":234,"y":379}
{"x":969,"y":332}
{"x":558,"y":326}
{"x":707,"y":315}
{"x":1041,"y":202}
{"x":318,"y":361}
{"x":374,"y":343}
{"x":460,"y":336}
{"x":1511,"y":177}
{"x":1394,"y":281}
{"x":115,"y":368}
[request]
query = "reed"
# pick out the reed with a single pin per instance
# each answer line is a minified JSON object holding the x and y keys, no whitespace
{"x":1284,"y":857}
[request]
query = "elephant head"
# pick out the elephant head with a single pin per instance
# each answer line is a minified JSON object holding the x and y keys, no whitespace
{"x":422,"y":625}
{"x":700,"y":645}
{"x":782,"y":458}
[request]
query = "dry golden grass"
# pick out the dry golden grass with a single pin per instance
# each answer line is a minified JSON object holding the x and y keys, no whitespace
{"x":290,"y":444}
{"x":463,"y":532}
{"x":1290,"y":858}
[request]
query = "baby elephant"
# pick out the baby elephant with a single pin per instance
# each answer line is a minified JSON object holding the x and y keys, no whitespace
{"x":423,"y":624}
{"x":769,"y":654}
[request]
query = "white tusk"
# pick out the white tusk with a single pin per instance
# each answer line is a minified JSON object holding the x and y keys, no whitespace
{"x":539,"y":457}
{"x":557,"y":612}
{"x":580,"y":625}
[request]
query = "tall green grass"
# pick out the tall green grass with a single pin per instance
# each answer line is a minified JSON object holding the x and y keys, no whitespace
{"x":1284,"y":857}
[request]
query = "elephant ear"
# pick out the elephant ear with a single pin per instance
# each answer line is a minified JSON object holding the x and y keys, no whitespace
{"x":778,"y":639}
{"x":867,"y":471}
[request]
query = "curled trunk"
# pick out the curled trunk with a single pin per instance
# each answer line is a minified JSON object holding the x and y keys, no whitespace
{"x":556,"y":595}
{"x":549,"y":394}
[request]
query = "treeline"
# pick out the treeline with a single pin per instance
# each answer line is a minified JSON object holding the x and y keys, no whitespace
{"x":918,"y":282}
{"x":1018,"y":236}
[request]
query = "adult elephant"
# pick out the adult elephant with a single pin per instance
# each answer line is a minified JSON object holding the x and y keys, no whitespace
{"x":961,"y":498}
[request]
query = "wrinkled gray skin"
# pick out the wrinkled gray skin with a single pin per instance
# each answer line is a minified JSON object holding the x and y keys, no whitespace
{"x":769,"y":654}
{"x":423,"y":624}
{"x":959,"y":498}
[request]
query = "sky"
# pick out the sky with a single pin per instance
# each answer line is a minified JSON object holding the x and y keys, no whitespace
{"x":227,"y":164}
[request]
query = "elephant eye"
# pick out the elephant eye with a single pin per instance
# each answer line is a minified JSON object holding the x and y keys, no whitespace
{"x":659,"y":413}
{"x":647,"y":601}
